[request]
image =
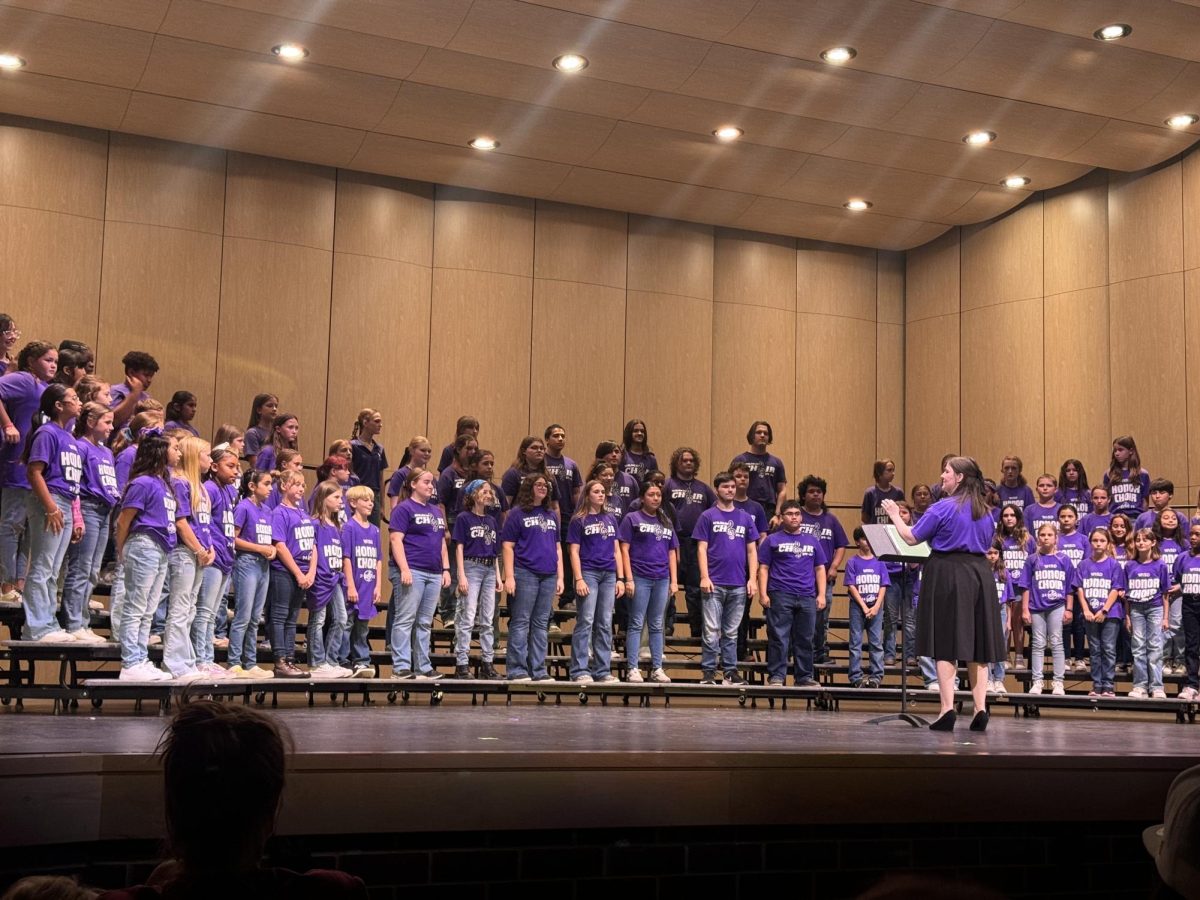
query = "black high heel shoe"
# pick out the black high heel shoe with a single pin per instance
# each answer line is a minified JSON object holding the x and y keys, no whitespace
{"x":944,"y":722}
{"x":980,"y":722}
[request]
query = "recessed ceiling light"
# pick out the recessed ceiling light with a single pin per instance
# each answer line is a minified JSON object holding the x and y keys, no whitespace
{"x":1113,"y":32}
{"x":838,"y":55}
{"x":1183,"y":120}
{"x":857,"y":205}
{"x":290,"y":52}
{"x":484,"y":143}
{"x":979,"y":137}
{"x":728,"y":133}
{"x":11,"y":61}
{"x":570,"y":62}
{"x":1015,"y":181}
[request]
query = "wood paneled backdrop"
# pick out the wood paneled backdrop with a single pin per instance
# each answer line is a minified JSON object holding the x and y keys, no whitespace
{"x":1072,"y":319}
{"x":338,"y":290}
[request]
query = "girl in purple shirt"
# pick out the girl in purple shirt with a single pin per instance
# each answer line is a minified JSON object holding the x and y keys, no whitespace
{"x":530,"y":460}
{"x":636,"y":456}
{"x":420,"y":569}
{"x":254,"y":550}
{"x":416,"y":456}
{"x":649,"y":560}
{"x":1127,"y":482}
{"x":1045,"y":508}
{"x":1047,"y":605}
{"x":533,"y":576}
{"x":192,"y":553}
{"x":596,"y":567}
{"x":180,"y":411}
{"x":1004,"y":596}
{"x":1073,"y":487}
{"x":1100,"y":581}
{"x":1147,"y":584}
{"x":292,"y":572}
{"x":285,"y":434}
{"x":1170,"y":531}
{"x":54,"y":467}
{"x":221,"y":488}
{"x":258,"y":430}
{"x":476,"y":549}
{"x":1013,"y":488}
{"x":327,"y":596}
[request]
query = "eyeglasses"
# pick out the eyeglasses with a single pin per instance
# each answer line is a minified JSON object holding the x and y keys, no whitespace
{"x":12,"y":334}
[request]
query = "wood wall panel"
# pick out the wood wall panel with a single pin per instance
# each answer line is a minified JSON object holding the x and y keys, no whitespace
{"x":1002,"y":259}
{"x":668,"y":257}
{"x":163,"y":183}
{"x":889,"y":396}
{"x":1145,"y":220}
{"x":668,"y":369}
{"x":835,"y":431}
{"x":482,"y":232}
{"x":1076,"y":235}
{"x":1147,"y":400}
{"x":574,"y":243}
{"x":835,"y":280}
{"x":1077,"y":379}
{"x":1191,"y":211}
{"x":57,"y":168}
{"x":50,"y":263}
{"x":890,"y":287}
{"x":384,"y":217}
{"x":381,"y":311}
{"x":142,"y":265}
{"x":931,"y":382}
{"x":754,"y":269}
{"x":1191,"y":289}
{"x":577,"y":368}
{"x":274,"y":333}
{"x":753,"y":377}
{"x":277,"y":200}
{"x":1002,"y":398}
{"x":931,"y":281}
{"x":481,"y":371}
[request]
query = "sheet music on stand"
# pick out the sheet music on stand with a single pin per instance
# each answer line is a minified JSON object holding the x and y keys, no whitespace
{"x":887,"y":544}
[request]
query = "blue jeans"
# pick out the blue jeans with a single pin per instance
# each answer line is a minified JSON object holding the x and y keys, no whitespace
{"x":1173,"y":643}
{"x":213,"y":584}
{"x":722,"y":615}
{"x":251,"y":576}
{"x":357,"y":646}
{"x":183,"y":576}
{"x":324,"y":647}
{"x":46,"y":552}
{"x":996,"y":670}
{"x":790,"y":623}
{"x":145,"y":572}
{"x":286,"y":597}
{"x":83,"y":562}
{"x":529,"y":623}
{"x":414,"y":619}
{"x":14,"y":510}
{"x":1147,"y":619}
{"x":593,"y":625}
{"x":1047,"y":623}
{"x":873,"y":628}
{"x":646,"y":608}
{"x":479,"y":602}
{"x":1102,"y":639}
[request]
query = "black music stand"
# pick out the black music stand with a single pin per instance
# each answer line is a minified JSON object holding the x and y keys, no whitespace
{"x":888,"y":546}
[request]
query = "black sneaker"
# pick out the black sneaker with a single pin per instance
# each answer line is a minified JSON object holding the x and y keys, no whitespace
{"x":858,"y":683}
{"x":362,"y":670}
{"x":708,"y":678}
{"x":808,"y":682}
{"x":462,"y":672}
{"x":873,"y":682}
{"x":734,"y":678}
{"x":489,"y":672}
{"x":775,"y":681}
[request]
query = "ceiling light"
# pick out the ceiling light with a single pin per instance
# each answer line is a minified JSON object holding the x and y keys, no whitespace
{"x":979,"y":137}
{"x":570,"y":62}
{"x":484,"y":143}
{"x":838,"y":55}
{"x":1113,"y":32}
{"x":857,"y":205}
{"x":1182,"y":120}
{"x":1015,"y":181}
{"x":728,"y":133}
{"x":10,"y":61}
{"x":289,"y":52}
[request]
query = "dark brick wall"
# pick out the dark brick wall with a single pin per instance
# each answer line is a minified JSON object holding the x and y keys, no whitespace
{"x":799,"y":863}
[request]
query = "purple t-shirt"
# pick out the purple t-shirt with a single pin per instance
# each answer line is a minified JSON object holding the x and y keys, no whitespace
{"x":118,"y":392}
{"x":424,"y":530}
{"x":124,"y":464}
{"x":1075,"y":547}
{"x":948,"y":527}
{"x":1187,"y":573}
{"x":510,"y":483}
{"x":534,"y":536}
{"x":1097,"y":580}
{"x":1146,"y":582}
{"x":624,"y":489}
{"x":198,"y":515}
{"x":650,"y":544}
{"x":265,"y":460}
{"x":58,"y":451}
{"x":449,"y":486}
{"x":1128,"y":495}
{"x":1170,"y":551}
{"x":181,"y":426}
{"x":396,"y":482}
{"x":596,"y":535}
{"x":1003,"y":588}
{"x":689,"y":499}
{"x":1080,"y":499}
{"x":826,"y":528}
{"x":360,"y":544}
{"x":868,"y":577}
{"x":1037,"y":515}
{"x":567,"y":480}
{"x":1095,"y":520}
{"x":252,"y":442}
{"x":1020,"y":496}
{"x":447,"y":457}
{"x":637,"y":465}
{"x":1146,"y":519}
{"x":253,"y":523}
{"x":329,"y":575}
{"x":767,"y":475}
{"x":1048,"y":577}
{"x":1014,"y":555}
{"x":99,"y":474}
{"x":21,"y":394}
{"x":223,"y":501}
{"x":477,"y":535}
{"x":872,"y":504}
{"x":755,"y":510}
{"x":156,"y":509}
{"x":496,"y":509}
{"x":294,"y":529}
{"x":791,"y":561}
{"x":727,"y":534}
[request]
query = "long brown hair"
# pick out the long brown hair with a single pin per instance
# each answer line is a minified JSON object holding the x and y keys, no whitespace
{"x":971,"y":489}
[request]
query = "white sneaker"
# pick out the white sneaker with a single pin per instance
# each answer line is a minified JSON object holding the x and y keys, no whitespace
{"x":214,"y":671}
{"x":1058,"y":690}
{"x":259,"y":672}
{"x":607,"y":679}
{"x":58,"y":636}
{"x":585,"y":678}
{"x":343,"y":672}
{"x":545,"y":679}
{"x":189,"y":676}
{"x":132,"y":673}
{"x":635,"y":676}
{"x":144,"y":671}
{"x":95,"y":604}
{"x":1000,"y":688}
{"x":1036,"y":687}
{"x":86,"y":636}
{"x":1137,"y":693}
{"x":1188,"y":693}
{"x":155,"y":641}
{"x":1158,"y":694}
{"x":658,"y":676}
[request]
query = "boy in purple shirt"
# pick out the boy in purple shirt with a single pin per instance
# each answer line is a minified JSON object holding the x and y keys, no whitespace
{"x":140,"y":369}
{"x":726,"y":553}
{"x":689,"y":497}
{"x":768,"y":479}
{"x":818,"y":521}
{"x":791,"y":588}
{"x":867,"y":582}
{"x":872,"y":505}
{"x":363,"y":572}
{"x":1187,"y":581}
{"x":1045,"y":508}
{"x":568,"y":482}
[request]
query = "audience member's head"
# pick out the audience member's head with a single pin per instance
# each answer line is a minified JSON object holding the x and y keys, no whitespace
{"x":48,"y":887}
{"x":1175,"y":844}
